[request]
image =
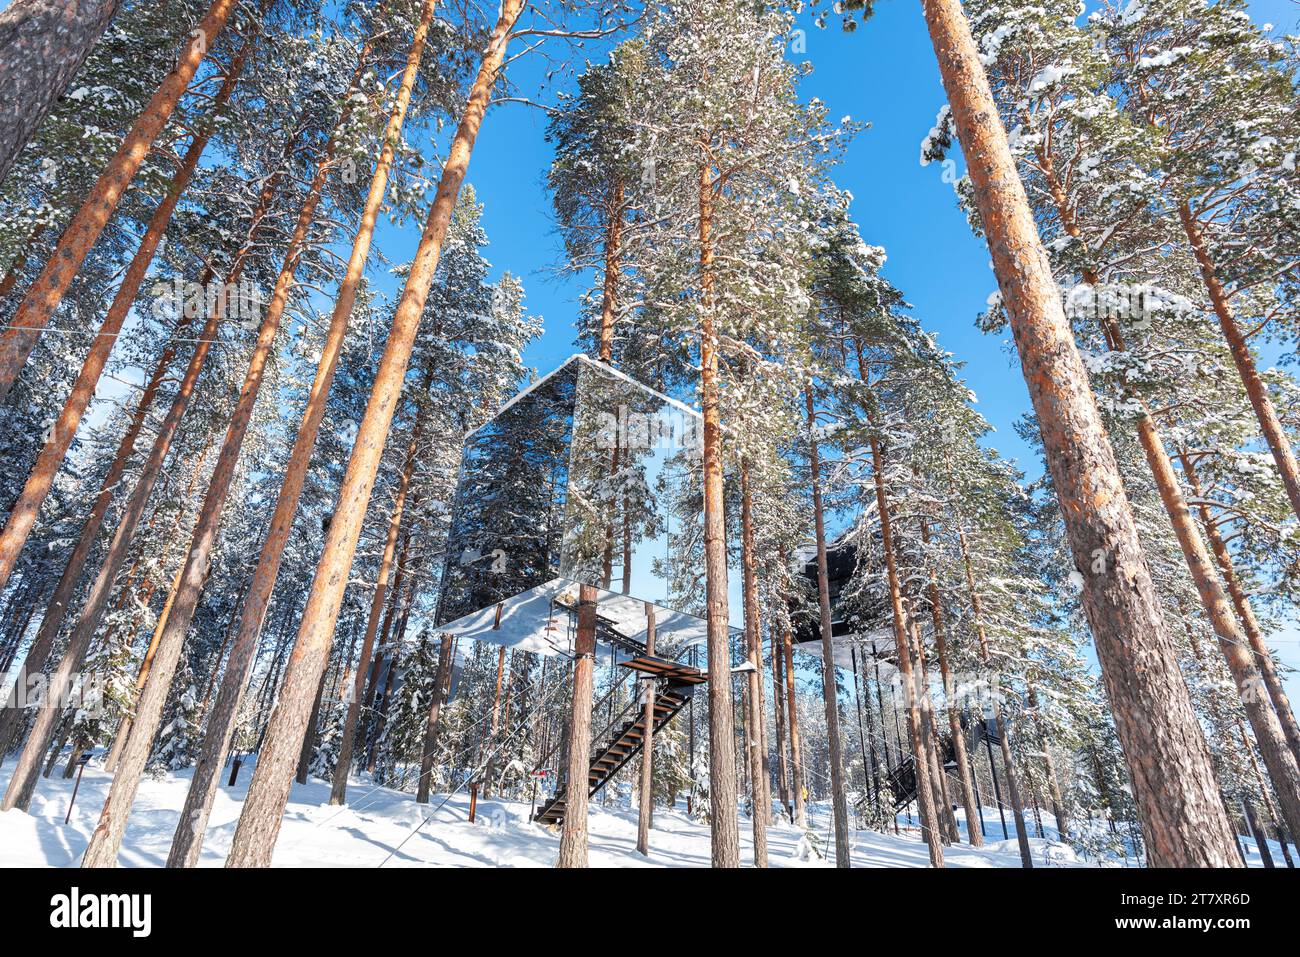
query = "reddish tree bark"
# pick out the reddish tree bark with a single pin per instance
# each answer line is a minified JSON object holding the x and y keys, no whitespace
{"x":495,"y":724}
{"x":722,"y":747}
{"x":365,"y":662}
{"x":1169,"y":763}
{"x":23,"y":782}
{"x":613,"y":251}
{"x":756,"y":733}
{"x":43,"y":43}
{"x":792,"y":709}
{"x":903,"y":652}
{"x":1245,"y":612}
{"x":830,"y":693}
{"x":573,"y":833}
{"x":1269,"y":424}
{"x":778,"y":715}
{"x":107,"y":837}
{"x":57,"y":607}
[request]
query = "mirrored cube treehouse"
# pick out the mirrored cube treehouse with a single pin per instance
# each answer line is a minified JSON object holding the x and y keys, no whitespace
{"x":861,"y":626}
{"x":585,"y":477}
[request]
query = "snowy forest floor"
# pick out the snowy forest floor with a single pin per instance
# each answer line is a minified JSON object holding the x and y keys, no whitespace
{"x":368,"y":832}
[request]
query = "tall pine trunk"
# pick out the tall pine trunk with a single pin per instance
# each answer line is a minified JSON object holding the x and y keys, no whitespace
{"x":792,"y":711}
{"x":146,"y":666}
{"x":1245,"y":612}
{"x":778,"y":721}
{"x":1193,"y":548}
{"x":1053,"y":782}
{"x":760,"y":773}
{"x":338,"y":790}
{"x":1273,"y":746}
{"x":1270,"y":425}
{"x":830,"y":693}
{"x":494,"y":726}
{"x":259,"y":823}
{"x":79,"y":237}
{"x":23,"y":782}
{"x":722,"y":742}
{"x":924,"y":796}
{"x":968,"y":801}
{"x":1168,"y":759}
{"x":573,"y":835}
{"x":43,"y":43}
{"x":929,"y":731}
{"x":188,"y":839}
{"x":613,"y":251}
{"x":107,"y":837}
{"x":56,"y":608}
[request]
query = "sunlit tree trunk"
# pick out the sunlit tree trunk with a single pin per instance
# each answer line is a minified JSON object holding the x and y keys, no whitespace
{"x":1270,"y":425}
{"x":1245,"y":612}
{"x":722,"y":741}
{"x":903,"y":651}
{"x":792,"y":709}
{"x":187,"y":842}
{"x":338,"y":791}
{"x":1053,"y":783}
{"x":929,"y":732}
{"x":1169,"y":762}
{"x":830,"y":693}
{"x":23,"y":782}
{"x":494,"y":726}
{"x":107,"y":837}
{"x":23,"y":514}
{"x":613,"y":267}
{"x":57,"y":607}
{"x":760,"y":773}
{"x":573,"y":835}
{"x":43,"y":43}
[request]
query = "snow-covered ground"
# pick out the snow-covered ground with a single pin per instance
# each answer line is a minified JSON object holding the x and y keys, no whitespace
{"x":384,"y":827}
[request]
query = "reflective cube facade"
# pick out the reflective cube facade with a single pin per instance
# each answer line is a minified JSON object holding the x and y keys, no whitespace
{"x":586,"y":477}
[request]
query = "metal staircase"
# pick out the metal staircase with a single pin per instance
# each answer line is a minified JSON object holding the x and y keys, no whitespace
{"x":901,"y":778}
{"x":623,"y":736}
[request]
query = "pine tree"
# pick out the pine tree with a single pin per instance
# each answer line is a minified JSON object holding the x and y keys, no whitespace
{"x":1181,"y":814}
{"x":42,"y":46}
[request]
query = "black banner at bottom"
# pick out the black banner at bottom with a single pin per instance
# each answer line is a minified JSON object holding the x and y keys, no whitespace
{"x":144,"y":908}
